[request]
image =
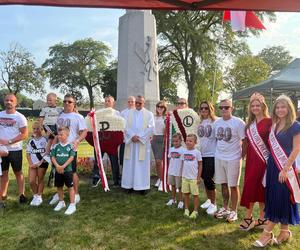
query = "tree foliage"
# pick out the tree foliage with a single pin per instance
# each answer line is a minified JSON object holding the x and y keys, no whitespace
{"x":19,"y":72}
{"x":277,"y":57}
{"x":195,"y":42}
{"x":109,"y":84}
{"x":77,"y":66}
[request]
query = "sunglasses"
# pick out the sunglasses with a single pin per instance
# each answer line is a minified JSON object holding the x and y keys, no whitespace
{"x":68,"y":102}
{"x":204,"y":108}
{"x":181,"y":103}
{"x":224,"y":107}
{"x":160,"y":107}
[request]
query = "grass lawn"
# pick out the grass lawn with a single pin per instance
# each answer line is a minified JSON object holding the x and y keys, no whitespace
{"x":115,"y":220}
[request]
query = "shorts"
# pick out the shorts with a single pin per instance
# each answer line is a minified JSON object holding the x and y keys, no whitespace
{"x":15,"y":159}
{"x":53,"y":128}
{"x":74,"y":163}
{"x":174,"y":181}
{"x":157,"y":146}
{"x":208,"y":172}
{"x":189,"y":186}
{"x":228,"y":172}
{"x":65,"y":178}
{"x":44,"y":165}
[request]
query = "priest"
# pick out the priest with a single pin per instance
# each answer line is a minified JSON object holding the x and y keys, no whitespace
{"x":136,"y":165}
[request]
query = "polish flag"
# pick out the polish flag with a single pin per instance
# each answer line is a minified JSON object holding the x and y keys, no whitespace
{"x":240,"y":20}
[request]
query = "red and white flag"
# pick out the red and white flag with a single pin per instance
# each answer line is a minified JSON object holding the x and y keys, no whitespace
{"x":240,"y":20}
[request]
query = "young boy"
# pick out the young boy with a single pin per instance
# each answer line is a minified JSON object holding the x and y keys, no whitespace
{"x":175,"y":170}
{"x":3,"y":152}
{"x":191,"y":175}
{"x":62,"y":156}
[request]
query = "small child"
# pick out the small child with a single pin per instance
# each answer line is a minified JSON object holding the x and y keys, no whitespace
{"x":175,"y":170}
{"x":48,"y":117}
{"x":3,"y":152}
{"x":35,"y":149}
{"x":191,"y":175}
{"x":62,"y":156}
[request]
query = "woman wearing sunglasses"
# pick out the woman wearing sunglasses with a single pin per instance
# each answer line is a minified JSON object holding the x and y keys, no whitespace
{"x":157,"y":143}
{"x":207,"y":149}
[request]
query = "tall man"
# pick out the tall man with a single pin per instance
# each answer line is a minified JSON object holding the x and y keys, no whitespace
{"x":229,"y":131}
{"x":139,"y":129}
{"x":109,"y":103}
{"x":13,"y":130}
{"x":75,"y":122}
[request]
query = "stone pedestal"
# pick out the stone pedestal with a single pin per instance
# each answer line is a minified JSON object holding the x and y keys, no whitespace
{"x":137,"y":58}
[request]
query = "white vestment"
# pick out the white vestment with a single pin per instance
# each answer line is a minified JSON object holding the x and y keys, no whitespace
{"x":136,"y":166}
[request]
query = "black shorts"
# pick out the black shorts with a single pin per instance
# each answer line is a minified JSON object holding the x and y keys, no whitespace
{"x":74,"y":163}
{"x":15,"y":159}
{"x":208,"y":172}
{"x":65,"y":178}
{"x":44,"y":165}
{"x":53,"y":128}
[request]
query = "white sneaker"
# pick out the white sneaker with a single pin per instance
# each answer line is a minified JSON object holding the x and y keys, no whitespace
{"x":157,"y":183}
{"x":33,"y":202}
{"x":212,"y":209}
{"x":77,"y":198}
{"x":206,"y":204}
{"x":39,"y":200}
{"x":160,"y":187}
{"x":232,"y":217}
{"x":222,"y":213}
{"x":180,"y":205}
{"x":170,"y":202}
{"x":54,"y":199}
{"x":60,"y":205}
{"x":71,"y":209}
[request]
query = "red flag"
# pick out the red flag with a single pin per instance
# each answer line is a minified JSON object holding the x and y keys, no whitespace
{"x":240,"y":20}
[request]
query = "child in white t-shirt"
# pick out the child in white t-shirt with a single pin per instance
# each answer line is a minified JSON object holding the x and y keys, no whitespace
{"x":191,"y":175}
{"x":36,"y":148}
{"x":175,"y":170}
{"x":3,"y":152}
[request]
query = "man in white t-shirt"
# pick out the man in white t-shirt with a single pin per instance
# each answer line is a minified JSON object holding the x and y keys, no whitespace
{"x":78,"y":130}
{"x":229,"y":132}
{"x":13,"y":130}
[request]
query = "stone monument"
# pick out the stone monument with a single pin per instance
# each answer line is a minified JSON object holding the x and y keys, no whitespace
{"x":137,"y":58}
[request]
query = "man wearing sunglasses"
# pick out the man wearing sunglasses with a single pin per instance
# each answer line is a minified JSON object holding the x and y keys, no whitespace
{"x":139,"y":129}
{"x":229,"y":131}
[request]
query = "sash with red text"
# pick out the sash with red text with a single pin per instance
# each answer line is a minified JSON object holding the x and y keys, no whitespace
{"x":167,"y":137}
{"x":280,"y":159}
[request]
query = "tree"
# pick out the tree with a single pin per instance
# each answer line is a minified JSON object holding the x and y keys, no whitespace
{"x":277,"y":57}
{"x":73,"y":67}
{"x":191,"y":41}
{"x":19,"y":72}
{"x":247,"y":70}
{"x":23,"y":101}
{"x":109,"y":84}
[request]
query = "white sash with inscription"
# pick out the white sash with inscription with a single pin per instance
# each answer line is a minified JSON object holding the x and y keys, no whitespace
{"x":280,"y":160}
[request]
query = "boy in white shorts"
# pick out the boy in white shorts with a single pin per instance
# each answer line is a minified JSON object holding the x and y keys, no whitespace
{"x":175,"y":170}
{"x":229,"y":132}
{"x":3,"y":152}
{"x":191,"y":175}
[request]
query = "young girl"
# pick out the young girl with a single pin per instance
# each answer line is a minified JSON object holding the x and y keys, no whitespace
{"x":35,"y":150}
{"x":175,"y":170}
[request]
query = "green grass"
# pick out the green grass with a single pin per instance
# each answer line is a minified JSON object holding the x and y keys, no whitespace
{"x":115,"y":220}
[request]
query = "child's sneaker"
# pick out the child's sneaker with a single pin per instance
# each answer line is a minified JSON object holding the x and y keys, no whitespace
{"x":33,"y":202}
{"x":186,"y":213}
{"x":71,"y":209}
{"x":60,"y":205}
{"x":38,"y":200}
{"x":180,"y":205}
{"x":206,"y":204}
{"x":194,"y":215}
{"x":157,"y":183}
{"x":170,"y":202}
{"x":232,"y":217}
{"x":54,"y":199}
{"x":77,"y":198}
{"x":212,"y":209}
{"x":222,"y":213}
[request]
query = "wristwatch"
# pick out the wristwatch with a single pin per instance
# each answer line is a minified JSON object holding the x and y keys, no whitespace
{"x":10,"y":142}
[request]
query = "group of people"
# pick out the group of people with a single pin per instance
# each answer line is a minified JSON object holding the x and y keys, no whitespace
{"x":269,"y":144}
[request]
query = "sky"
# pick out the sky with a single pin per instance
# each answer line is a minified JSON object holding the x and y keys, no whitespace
{"x":38,"y":28}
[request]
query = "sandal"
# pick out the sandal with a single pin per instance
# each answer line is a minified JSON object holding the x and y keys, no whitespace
{"x":261,"y":223}
{"x":250,"y":224}
{"x":270,"y":241}
{"x":277,"y":242}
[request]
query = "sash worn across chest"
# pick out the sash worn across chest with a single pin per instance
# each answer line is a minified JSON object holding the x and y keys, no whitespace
{"x":281,"y":158}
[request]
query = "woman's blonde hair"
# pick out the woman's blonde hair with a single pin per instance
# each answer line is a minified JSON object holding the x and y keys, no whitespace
{"x":291,"y":116}
{"x":211,"y":109}
{"x":251,"y":117}
{"x":161,"y":103}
